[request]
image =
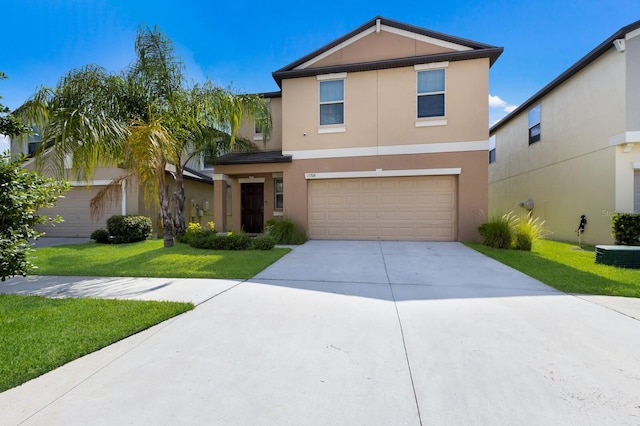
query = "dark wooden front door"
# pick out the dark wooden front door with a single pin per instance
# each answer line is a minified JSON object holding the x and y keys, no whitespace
{"x":252,"y":207}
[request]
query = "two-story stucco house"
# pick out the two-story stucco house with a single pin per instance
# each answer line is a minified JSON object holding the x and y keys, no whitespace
{"x":573,"y":148}
{"x":381,"y":134}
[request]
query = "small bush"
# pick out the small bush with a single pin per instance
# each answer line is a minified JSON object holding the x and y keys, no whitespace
{"x":100,"y":236}
{"x":207,"y":239}
{"x":128,"y":229}
{"x":263,"y":243}
{"x":192,"y":229}
{"x":235,"y":242}
{"x":285,"y":231}
{"x":497,"y":233}
{"x":626,"y":228}
{"x":203,"y":239}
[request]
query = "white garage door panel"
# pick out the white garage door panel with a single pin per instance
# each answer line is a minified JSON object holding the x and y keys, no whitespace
{"x":74,"y":209}
{"x":392,"y":208}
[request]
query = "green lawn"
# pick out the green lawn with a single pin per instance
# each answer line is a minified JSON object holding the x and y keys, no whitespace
{"x":39,"y":334}
{"x":568,"y":268}
{"x":150,"y":259}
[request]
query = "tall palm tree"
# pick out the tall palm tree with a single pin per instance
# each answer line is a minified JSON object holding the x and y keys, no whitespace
{"x":143,"y":119}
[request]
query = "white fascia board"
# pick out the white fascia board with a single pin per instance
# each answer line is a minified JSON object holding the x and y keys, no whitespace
{"x":431,"y":66}
{"x":101,"y":182}
{"x":384,"y":173}
{"x":426,"y":39}
{"x":334,"y":49}
{"x":632,"y":34}
{"x":251,"y":179}
{"x":430,"y":148}
{"x":332,"y":76}
{"x":624,"y":137}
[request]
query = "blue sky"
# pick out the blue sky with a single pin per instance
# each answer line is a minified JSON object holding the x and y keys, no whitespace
{"x":240,"y":43}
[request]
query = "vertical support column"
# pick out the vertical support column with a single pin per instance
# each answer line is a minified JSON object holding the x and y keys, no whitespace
{"x":220,"y":201}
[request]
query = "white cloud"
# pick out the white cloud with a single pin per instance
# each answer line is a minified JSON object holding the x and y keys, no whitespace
{"x":5,"y":143}
{"x":497,"y":102}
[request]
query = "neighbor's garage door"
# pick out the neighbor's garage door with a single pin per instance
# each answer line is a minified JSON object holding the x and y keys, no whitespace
{"x":390,"y":208}
{"x":74,"y":208}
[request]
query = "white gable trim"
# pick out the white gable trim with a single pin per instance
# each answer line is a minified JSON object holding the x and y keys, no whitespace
{"x":426,"y":39}
{"x":389,"y":29}
{"x":336,"y":48}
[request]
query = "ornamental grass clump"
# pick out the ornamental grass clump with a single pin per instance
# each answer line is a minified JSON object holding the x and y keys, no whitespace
{"x":285,"y":231}
{"x":512,"y":232}
{"x":498,"y":232}
{"x":526,"y":230}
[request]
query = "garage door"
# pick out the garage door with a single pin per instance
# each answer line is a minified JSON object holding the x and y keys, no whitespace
{"x":74,"y":208}
{"x":389,"y":208}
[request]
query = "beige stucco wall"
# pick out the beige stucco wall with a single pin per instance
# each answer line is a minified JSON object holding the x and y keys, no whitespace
{"x":632,"y":54}
{"x":247,"y":128}
{"x":572,"y":169}
{"x":380,"y":109}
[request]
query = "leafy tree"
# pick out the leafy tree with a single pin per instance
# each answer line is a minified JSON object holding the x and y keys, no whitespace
{"x":9,"y":125}
{"x":144,"y":119}
{"x":22,"y":194}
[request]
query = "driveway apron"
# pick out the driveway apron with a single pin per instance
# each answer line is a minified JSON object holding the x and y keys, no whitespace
{"x":366,"y":333}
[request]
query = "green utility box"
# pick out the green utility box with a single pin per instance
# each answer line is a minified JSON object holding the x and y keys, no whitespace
{"x":620,"y":256}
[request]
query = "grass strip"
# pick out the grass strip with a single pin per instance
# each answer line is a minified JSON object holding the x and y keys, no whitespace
{"x":38,"y":334}
{"x":150,"y":259}
{"x":568,"y":268}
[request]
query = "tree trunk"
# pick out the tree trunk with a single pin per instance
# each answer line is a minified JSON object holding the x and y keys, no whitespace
{"x":165,"y":215}
{"x":180,"y":224}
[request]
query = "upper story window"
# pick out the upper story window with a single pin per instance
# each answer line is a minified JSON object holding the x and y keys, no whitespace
{"x":492,"y":149}
{"x":331,"y":102}
{"x":431,"y":90}
{"x":534,"y":124}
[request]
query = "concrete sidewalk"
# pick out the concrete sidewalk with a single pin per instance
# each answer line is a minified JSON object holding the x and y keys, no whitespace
{"x":360,"y":333}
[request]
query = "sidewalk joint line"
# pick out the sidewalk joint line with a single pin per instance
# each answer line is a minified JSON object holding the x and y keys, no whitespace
{"x":404,"y":343}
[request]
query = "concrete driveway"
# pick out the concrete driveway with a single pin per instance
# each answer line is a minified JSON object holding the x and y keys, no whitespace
{"x":366,"y":333}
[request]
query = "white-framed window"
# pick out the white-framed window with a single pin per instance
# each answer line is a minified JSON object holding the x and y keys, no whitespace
{"x":431,"y":93}
{"x":278,"y":190}
{"x":492,"y":149}
{"x":534,"y":124}
{"x":331,"y":102}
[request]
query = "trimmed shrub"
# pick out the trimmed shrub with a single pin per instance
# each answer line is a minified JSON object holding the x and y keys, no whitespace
{"x":128,"y":229}
{"x":497,"y":233}
{"x":285,"y":231}
{"x":207,"y":239}
{"x":234,"y":242}
{"x":192,"y":229}
{"x":100,"y":236}
{"x":263,"y":243}
{"x":626,"y":228}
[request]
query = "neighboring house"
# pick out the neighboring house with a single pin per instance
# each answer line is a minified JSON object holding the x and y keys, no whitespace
{"x":381,"y":134}
{"x":574,"y":147}
{"x":74,"y":207}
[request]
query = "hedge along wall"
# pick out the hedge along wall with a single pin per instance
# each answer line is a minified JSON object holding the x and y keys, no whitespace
{"x":626,"y":228}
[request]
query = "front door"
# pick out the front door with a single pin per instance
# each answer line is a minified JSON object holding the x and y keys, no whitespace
{"x":252,"y":207}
